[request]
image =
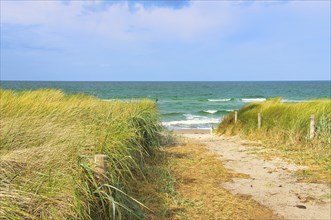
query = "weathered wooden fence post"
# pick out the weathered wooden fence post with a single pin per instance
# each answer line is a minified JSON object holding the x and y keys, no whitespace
{"x":100,"y":165}
{"x":259,"y":120}
{"x":212,"y":129}
{"x":235,"y":117}
{"x":312,"y":127}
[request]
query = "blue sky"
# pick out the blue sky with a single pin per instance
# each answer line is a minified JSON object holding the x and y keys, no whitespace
{"x":165,"y":40}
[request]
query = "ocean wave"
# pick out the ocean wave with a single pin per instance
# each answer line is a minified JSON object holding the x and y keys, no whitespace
{"x":192,"y":122}
{"x":172,"y":114}
{"x":253,"y":100}
{"x":193,"y":117}
{"x":210,"y":111}
{"x":215,"y":112}
{"x":219,"y":100}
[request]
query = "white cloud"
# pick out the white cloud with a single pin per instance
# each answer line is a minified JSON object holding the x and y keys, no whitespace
{"x":116,"y":21}
{"x":62,"y":24}
{"x":214,"y":36}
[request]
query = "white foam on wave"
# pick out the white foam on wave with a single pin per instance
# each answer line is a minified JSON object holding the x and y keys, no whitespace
{"x":210,"y":111}
{"x":253,"y":100}
{"x":191,"y":117}
{"x":192,"y":121}
{"x":219,"y":100}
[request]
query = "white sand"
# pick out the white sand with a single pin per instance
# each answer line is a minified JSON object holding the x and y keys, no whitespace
{"x":271,"y":183}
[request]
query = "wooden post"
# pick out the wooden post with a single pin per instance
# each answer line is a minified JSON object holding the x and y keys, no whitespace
{"x":235,"y":117}
{"x":211,"y":129}
{"x":312,"y":127}
{"x":259,"y":120}
{"x":100,"y":165}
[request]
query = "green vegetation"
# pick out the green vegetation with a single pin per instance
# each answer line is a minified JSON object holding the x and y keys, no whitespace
{"x":286,"y":126}
{"x":47,"y":145}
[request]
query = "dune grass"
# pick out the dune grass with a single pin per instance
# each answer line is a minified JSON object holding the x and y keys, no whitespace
{"x":286,"y":126}
{"x":47,"y":144}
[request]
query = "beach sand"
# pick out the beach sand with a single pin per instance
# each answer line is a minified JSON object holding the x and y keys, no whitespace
{"x":192,"y":131}
{"x":272,"y":183}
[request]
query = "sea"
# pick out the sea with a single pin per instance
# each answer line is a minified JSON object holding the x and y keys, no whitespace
{"x":189,"y":105}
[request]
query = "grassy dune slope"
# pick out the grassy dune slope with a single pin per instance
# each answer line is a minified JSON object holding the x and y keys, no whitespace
{"x":286,"y":126}
{"x":47,"y":143}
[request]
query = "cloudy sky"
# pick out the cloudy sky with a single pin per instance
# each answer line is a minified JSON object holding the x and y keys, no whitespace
{"x":165,"y":40}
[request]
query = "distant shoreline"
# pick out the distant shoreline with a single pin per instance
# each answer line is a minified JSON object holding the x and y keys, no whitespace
{"x":166,"y":81}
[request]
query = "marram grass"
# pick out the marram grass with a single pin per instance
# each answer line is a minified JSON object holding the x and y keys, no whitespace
{"x":287,"y":126}
{"x":47,"y":143}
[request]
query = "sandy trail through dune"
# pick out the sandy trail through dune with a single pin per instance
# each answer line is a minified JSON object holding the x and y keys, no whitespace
{"x":271,"y":183}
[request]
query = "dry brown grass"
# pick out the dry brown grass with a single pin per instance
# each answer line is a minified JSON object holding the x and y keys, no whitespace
{"x":199,"y":175}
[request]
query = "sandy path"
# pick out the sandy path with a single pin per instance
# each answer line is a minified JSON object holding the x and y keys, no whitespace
{"x":271,"y":183}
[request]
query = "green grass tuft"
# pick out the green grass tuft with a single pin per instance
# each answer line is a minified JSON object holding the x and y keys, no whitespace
{"x":287,"y":126}
{"x":48,"y":140}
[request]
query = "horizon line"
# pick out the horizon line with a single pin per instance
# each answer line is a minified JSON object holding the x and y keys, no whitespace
{"x":318,"y":80}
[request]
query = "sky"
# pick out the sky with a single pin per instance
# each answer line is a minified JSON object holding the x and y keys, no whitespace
{"x":101,"y":40}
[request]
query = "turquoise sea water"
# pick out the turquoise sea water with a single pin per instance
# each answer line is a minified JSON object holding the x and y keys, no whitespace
{"x":189,"y":104}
